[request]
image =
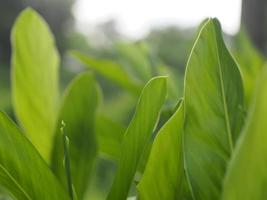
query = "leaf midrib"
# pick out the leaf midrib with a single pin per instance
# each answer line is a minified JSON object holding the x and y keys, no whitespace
{"x":226,"y":113}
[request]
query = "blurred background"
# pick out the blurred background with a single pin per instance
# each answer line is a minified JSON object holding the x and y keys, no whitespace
{"x":134,"y":34}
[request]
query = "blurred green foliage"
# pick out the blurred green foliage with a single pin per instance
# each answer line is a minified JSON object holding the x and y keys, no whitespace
{"x":122,"y":68}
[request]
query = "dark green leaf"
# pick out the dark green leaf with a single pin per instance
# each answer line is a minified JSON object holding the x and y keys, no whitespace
{"x":78,"y":113}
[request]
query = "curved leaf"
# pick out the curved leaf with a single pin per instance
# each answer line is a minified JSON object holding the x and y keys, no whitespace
{"x":164,"y":176}
{"x":137,"y":136}
{"x":35,"y":79}
{"x":213,"y":111}
{"x":22,"y":170}
{"x":78,"y":113}
{"x":246,"y":178}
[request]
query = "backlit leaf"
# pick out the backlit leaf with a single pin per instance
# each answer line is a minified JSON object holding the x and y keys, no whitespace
{"x":35,"y":79}
{"x":213,"y":111}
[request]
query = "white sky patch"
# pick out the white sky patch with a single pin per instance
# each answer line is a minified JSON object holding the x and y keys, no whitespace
{"x":136,"y":17}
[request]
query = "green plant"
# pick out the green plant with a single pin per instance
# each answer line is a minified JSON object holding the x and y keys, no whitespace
{"x":206,"y":148}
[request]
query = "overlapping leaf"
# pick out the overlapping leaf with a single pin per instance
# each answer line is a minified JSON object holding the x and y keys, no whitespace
{"x":247,"y":178}
{"x":213,"y":111}
{"x":22,"y":170}
{"x":35,"y":79}
{"x":164,"y":176}
{"x":137,"y":136}
{"x":78,"y":113}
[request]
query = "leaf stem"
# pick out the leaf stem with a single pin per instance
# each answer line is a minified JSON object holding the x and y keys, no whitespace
{"x":67,"y":160}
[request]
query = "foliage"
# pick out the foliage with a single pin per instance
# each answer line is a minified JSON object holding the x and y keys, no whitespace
{"x":203,"y":146}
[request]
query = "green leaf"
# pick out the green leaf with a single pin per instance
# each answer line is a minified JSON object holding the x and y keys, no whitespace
{"x":23,"y":172}
{"x":66,"y":160}
{"x":164,"y":176}
{"x":110,"y":70}
{"x":213,"y":101}
{"x":134,"y":56}
{"x":250,"y":61}
{"x":109,"y":136}
{"x":78,"y":113}
{"x":137,"y":136}
{"x":35,"y":79}
{"x":246,"y":178}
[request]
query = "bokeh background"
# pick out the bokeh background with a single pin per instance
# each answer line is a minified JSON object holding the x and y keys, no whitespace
{"x":140,"y":32}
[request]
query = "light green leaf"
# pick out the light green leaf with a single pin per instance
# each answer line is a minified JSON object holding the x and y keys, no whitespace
{"x":35,"y":79}
{"x":250,"y":61}
{"x":22,"y":170}
{"x":137,"y":136}
{"x":78,"y":113}
{"x":136,"y":59}
{"x":110,"y":70}
{"x":109,"y":136}
{"x":164,"y":176}
{"x":213,"y":101}
{"x":246,"y":178}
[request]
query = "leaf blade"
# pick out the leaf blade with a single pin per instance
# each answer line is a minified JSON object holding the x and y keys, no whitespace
{"x":164,"y":176}
{"x":22,"y":170}
{"x":213,"y":118}
{"x":78,"y":113}
{"x":137,"y":136}
{"x":35,"y":79}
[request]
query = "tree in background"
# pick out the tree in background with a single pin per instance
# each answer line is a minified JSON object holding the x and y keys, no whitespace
{"x":254,"y":20}
{"x":56,"y":12}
